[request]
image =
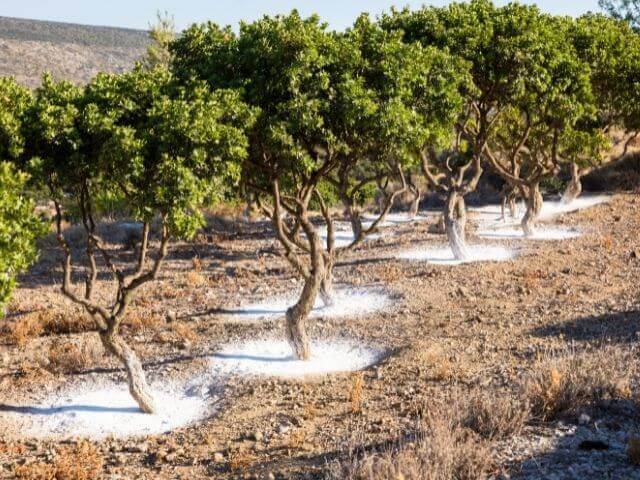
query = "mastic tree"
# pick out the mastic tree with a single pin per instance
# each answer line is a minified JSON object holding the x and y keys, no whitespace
{"x":283,"y":64}
{"x":393,"y":99}
{"x":335,"y":109}
{"x":164,"y":147}
{"x":611,"y":48}
{"x":552,"y":120}
{"x":491,"y":40}
{"x":19,"y":224}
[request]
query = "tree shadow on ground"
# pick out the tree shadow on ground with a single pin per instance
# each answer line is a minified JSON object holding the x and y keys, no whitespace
{"x":586,"y":453}
{"x":619,"y":327}
{"x":27,"y":410}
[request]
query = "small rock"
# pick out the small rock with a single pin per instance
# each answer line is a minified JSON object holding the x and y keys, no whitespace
{"x":172,"y":457}
{"x":218,"y":457}
{"x":257,"y":436}
{"x":283,"y":428}
{"x":171,"y":316}
{"x":584,"y":419}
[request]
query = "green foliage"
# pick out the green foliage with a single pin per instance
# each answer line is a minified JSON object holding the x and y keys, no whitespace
{"x":332,"y":106}
{"x":19,"y":228}
{"x":161,"y":146}
{"x":394,"y":97}
{"x":14,"y":99}
{"x":283,"y":66}
{"x":612,"y":50}
{"x":494,"y":40}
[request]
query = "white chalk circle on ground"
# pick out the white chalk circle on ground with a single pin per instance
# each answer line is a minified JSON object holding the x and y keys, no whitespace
{"x":343,"y":234}
{"x":346,"y":303}
{"x":541,"y":233}
{"x":95,"y":412}
{"x":395,"y":219}
{"x":274,"y":358}
{"x":444,"y":255}
{"x":489,"y":216}
{"x":558,"y":207}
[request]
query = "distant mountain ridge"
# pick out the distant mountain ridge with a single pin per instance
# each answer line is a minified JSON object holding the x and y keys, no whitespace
{"x":73,"y":52}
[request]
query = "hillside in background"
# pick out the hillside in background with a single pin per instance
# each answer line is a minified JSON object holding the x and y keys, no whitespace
{"x":28,"y":48}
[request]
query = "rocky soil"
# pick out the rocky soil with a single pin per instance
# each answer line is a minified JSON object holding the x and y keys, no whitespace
{"x":475,"y":327}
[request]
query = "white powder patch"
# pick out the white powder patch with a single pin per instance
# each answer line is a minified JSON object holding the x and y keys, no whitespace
{"x":490,"y":216}
{"x":394,"y":219}
{"x":444,"y":255}
{"x":551,"y":209}
{"x":343,"y":234}
{"x":346,"y":303}
{"x":274,"y":358}
{"x":98,"y":412}
{"x":541,"y":233}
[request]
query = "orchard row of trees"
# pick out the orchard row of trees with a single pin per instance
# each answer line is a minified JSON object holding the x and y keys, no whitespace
{"x":290,"y":116}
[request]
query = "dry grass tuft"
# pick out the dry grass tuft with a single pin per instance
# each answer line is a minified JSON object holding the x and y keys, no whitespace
{"x":355,"y":393}
{"x":195,"y":279}
{"x":22,"y":330}
{"x":56,"y":323}
{"x":296,"y":439}
{"x":184,"y":331}
{"x":441,"y":369}
{"x":47,"y":322}
{"x":565,"y":384}
{"x":79,"y":462}
{"x":140,"y":323}
{"x":197,"y":264}
{"x":68,"y":356}
{"x":607,"y":242}
{"x":239,"y":460}
{"x":495,"y":415}
{"x":441,"y":449}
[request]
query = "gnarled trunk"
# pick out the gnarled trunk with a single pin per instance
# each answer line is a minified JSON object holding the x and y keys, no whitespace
{"x":356,"y":222}
{"x":415,"y":203}
{"x":326,"y":285}
{"x":509,"y":202}
{"x":534,"y":206}
{"x":454,"y":224}
{"x":574,"y":188}
{"x":138,"y":386}
{"x":296,"y":316}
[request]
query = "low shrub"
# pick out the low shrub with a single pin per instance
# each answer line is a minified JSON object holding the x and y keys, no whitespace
{"x":566,"y":383}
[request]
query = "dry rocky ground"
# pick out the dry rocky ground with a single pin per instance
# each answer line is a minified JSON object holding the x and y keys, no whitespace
{"x":29,"y":48}
{"x":520,"y":369}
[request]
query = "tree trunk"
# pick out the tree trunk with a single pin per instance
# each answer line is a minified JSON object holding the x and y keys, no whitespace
{"x":454,"y":223}
{"x":574,"y":188}
{"x":509,"y":202}
{"x":138,"y":386}
{"x":326,"y":285}
{"x":415,"y":205}
{"x":356,"y":222}
{"x":296,"y":316}
{"x":534,"y":206}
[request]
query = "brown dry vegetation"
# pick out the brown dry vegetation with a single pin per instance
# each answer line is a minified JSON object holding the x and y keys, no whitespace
{"x":78,"y":462}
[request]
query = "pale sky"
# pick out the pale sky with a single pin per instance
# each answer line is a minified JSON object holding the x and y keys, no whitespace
{"x":139,"y":13}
